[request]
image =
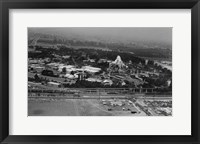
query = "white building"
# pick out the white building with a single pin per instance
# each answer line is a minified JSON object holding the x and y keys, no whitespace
{"x":107,"y":82}
{"x":93,"y":80}
{"x":70,"y":76}
{"x":91,"y":69}
{"x":69,"y":68}
{"x":53,"y":84}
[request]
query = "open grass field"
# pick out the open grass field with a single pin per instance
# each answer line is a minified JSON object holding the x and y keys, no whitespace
{"x":70,"y":107}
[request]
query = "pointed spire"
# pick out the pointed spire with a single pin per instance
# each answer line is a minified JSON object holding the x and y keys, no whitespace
{"x":119,"y":62}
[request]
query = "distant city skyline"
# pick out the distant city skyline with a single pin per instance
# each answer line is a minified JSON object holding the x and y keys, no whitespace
{"x":112,"y":34}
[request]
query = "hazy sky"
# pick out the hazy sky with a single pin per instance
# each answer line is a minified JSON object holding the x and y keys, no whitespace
{"x":123,"y":34}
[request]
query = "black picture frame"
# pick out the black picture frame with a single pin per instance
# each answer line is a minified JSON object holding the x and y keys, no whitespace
{"x":5,"y":5}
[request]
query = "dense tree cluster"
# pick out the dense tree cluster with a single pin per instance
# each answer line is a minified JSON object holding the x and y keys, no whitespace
{"x":77,"y":56}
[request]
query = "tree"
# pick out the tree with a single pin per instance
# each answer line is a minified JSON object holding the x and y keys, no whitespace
{"x":36,"y":78}
{"x":72,"y":73}
{"x":64,"y":70}
{"x":48,"y":73}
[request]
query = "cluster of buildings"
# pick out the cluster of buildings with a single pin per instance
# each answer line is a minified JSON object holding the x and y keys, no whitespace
{"x":160,"y":107}
{"x":118,"y":72}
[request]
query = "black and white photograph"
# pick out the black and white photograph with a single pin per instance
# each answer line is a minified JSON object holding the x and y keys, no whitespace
{"x":99,"y":71}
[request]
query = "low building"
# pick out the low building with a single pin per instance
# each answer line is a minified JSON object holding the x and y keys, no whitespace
{"x":53,"y":84}
{"x":89,"y":60}
{"x":68,"y":68}
{"x":66,"y":56}
{"x":70,"y":76}
{"x":116,"y":103}
{"x":34,"y":61}
{"x":102,"y":61}
{"x":91,"y":69}
{"x":39,"y":68}
{"x":93,"y":80}
{"x":53,"y":65}
{"x":107,"y":82}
